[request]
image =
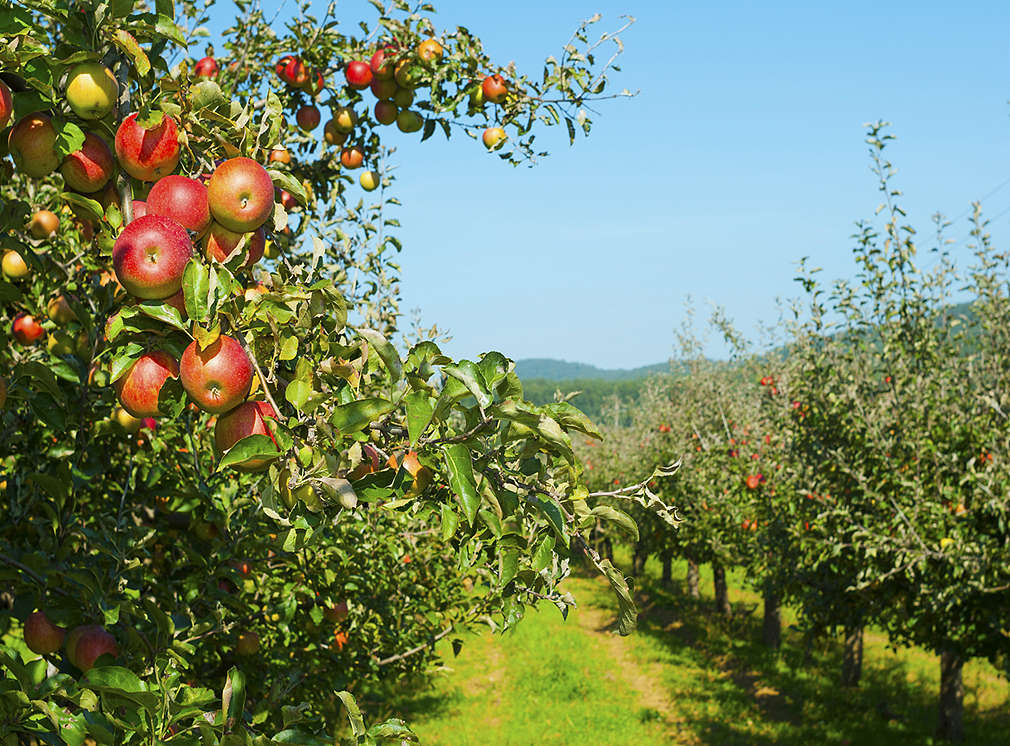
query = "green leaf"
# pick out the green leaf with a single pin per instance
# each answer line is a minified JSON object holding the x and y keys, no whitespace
{"x":494,"y":367}
{"x":167,"y":28}
{"x":508,"y":566}
{"x":461,"y":479}
{"x":284,"y":180}
{"x":351,"y":417}
{"x":623,"y":521}
{"x":92,"y":210}
{"x":467,"y":373}
{"x":419,"y":413}
{"x":163,"y":312}
{"x":124,"y":360}
{"x":572,"y":418}
{"x":386,"y":351}
{"x":353,"y":714}
{"x":69,"y":138}
{"x":233,"y":696}
{"x":121,"y":682}
{"x":249,"y":448}
{"x":206,"y":94}
{"x":627,"y":618}
{"x":128,"y":44}
{"x":544,"y":552}
{"x":297,"y":393}
{"x":289,"y":348}
{"x":196,"y":289}
{"x":450,"y":520}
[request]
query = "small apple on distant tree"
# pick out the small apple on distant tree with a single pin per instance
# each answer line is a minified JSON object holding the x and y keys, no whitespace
{"x":308,"y":117}
{"x":409,"y":121}
{"x":332,"y":134}
{"x":385,"y":112}
{"x":85,"y":645}
{"x":494,"y":137}
{"x":369,"y":180}
{"x":26,"y":330}
{"x":358,"y":74}
{"x":14,"y":266}
{"x":352,"y":157}
{"x":494,"y":89}
{"x":206,"y":68}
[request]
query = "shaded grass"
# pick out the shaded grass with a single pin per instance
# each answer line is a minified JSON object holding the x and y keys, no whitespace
{"x":687,"y":677}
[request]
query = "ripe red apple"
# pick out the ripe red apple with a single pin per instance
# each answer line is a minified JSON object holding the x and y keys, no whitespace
{"x":150,"y":256}
{"x":494,"y":137}
{"x":280,"y":155}
{"x":332,"y":134}
{"x":182,"y":199}
{"x":385,"y":112}
{"x":139,"y":209}
{"x":308,"y":117}
{"x":494,"y":89}
{"x":87,"y":644}
{"x":32,"y":144}
{"x":409,"y":121}
{"x":89,"y":169}
{"x":287,"y":199}
{"x":92,"y":90}
{"x":26,"y":329}
{"x":41,"y":635}
{"x":138,"y":389}
{"x":220,"y":242}
{"x":148,"y":154}
{"x":241,"y":195}
{"x":217,"y":378}
{"x":352,"y":157}
{"x":206,"y":68}
{"x":6,"y":105}
{"x":381,"y":65}
{"x":384,"y":88}
{"x":245,"y":420}
{"x":292,"y":71}
{"x":358,"y":74}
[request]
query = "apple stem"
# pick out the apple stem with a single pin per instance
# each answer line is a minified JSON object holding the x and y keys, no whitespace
{"x":123,"y":107}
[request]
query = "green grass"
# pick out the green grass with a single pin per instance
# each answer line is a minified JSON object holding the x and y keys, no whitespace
{"x":686,"y":677}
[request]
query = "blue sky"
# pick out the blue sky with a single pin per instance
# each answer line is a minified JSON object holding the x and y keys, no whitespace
{"x":742,"y":153}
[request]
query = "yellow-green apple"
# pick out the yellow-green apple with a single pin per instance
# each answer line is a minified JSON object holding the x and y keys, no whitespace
{"x":150,"y":256}
{"x":92,"y":90}
{"x":89,"y":169}
{"x":241,"y":195}
{"x":32,"y":144}
{"x":308,"y":117}
{"x":26,"y":330}
{"x":358,"y":74}
{"x":332,"y":134}
{"x":6,"y":105}
{"x":62,"y":343}
{"x":41,"y":635}
{"x":403,"y":97}
{"x":385,"y":112}
{"x":494,"y":89}
{"x":369,"y":180}
{"x":429,"y":50}
{"x":244,"y":420}
{"x":345,"y":119}
{"x":58,"y":309}
{"x":148,"y":154}
{"x":126,"y":420}
{"x":205,"y":68}
{"x":352,"y":157}
{"x":220,"y":242}
{"x":409,"y":121}
{"x":248,"y":643}
{"x":217,"y":378}
{"x":14,"y":266}
{"x":493,"y":137}
{"x":384,"y":89}
{"x":44,"y":223}
{"x":86,"y":644}
{"x":182,"y":199}
{"x":406,"y":74}
{"x":139,"y":388}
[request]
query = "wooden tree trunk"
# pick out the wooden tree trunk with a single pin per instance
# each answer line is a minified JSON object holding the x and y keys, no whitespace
{"x":771,"y":631}
{"x":693,"y":589}
{"x":721,"y":593}
{"x":638,"y":560}
{"x":667,"y":579}
{"x":951,"y":726}
{"x":852,"y":657}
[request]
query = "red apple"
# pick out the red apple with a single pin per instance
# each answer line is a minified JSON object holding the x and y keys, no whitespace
{"x":87,"y":644}
{"x":494,"y":88}
{"x":358,"y":74}
{"x":206,"y":68}
{"x":308,"y":117}
{"x":220,"y":242}
{"x":32,"y":144}
{"x":139,"y":209}
{"x":245,"y":420}
{"x":384,"y":88}
{"x":352,"y":157}
{"x":241,"y":195}
{"x":381,"y":65}
{"x":148,"y":154}
{"x":41,"y":635}
{"x":287,"y":199}
{"x":26,"y":329}
{"x":280,"y":155}
{"x":89,"y":169}
{"x":292,"y":71}
{"x":138,"y":389}
{"x":150,"y":256}
{"x":315,"y":84}
{"x":385,"y":112}
{"x":182,"y":199}
{"x":6,"y":105}
{"x":494,"y":137}
{"x":219,"y":377}
{"x":178,"y":302}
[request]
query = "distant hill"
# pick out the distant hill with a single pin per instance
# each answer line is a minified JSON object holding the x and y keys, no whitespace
{"x":560,"y":370}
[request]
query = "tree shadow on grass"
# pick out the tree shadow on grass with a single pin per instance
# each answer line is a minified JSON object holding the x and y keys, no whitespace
{"x":749,"y":695}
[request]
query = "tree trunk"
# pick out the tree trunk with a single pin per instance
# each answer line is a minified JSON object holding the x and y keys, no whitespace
{"x":772,"y":630}
{"x":667,"y":578}
{"x":852,"y":658}
{"x":692,"y":579}
{"x":722,"y":606}
{"x":638,"y":561}
{"x":951,"y":727}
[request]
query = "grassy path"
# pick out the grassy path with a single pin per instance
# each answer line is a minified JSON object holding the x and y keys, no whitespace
{"x":686,"y":677}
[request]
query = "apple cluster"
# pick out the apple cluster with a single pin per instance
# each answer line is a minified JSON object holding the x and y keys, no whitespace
{"x":83,"y":646}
